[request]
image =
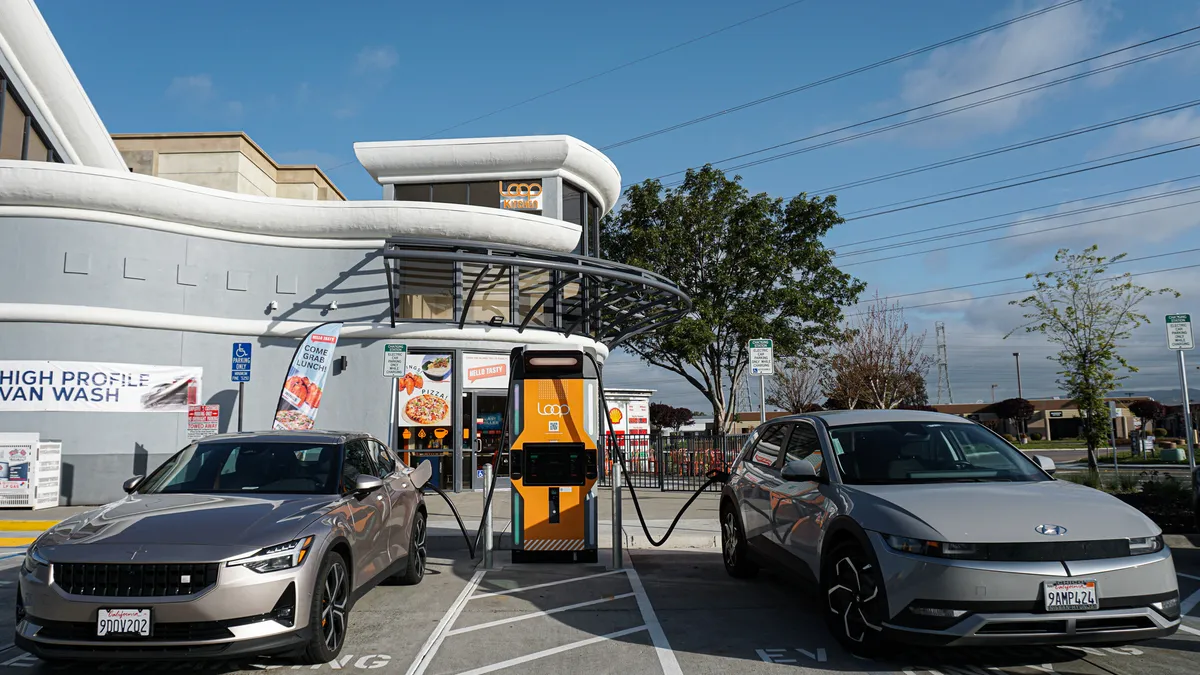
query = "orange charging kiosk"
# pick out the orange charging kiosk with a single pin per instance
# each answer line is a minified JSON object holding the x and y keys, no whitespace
{"x":555,"y":421}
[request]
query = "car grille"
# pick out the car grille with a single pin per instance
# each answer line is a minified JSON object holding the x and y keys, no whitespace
{"x":165,"y":632}
{"x":1057,"y":550}
{"x":129,"y":580}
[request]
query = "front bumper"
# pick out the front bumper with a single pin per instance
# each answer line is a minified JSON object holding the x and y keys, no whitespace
{"x":1002,"y":602}
{"x":239,"y":615}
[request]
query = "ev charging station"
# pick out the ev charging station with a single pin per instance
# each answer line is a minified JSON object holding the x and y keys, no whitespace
{"x":554,"y":412}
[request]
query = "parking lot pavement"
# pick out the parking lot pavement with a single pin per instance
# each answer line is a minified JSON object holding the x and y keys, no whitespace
{"x":670,"y":612}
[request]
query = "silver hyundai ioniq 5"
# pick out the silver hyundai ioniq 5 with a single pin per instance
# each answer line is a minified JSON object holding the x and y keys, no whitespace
{"x":239,"y":545}
{"x":927,"y":528}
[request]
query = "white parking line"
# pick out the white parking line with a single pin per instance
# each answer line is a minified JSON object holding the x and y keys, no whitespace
{"x":552,"y":583}
{"x":1188,"y":629}
{"x":534,"y":615}
{"x":1189,"y":604}
{"x":1187,"y":576}
{"x":551,"y":652}
{"x":666,"y":657}
{"x":430,"y":648}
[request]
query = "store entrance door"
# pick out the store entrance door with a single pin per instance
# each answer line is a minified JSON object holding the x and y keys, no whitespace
{"x":483,"y":417}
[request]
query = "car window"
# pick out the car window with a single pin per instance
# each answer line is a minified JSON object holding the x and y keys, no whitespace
{"x":246,"y":467}
{"x":383,"y":458}
{"x":766,"y":450}
{"x":803,"y":444}
{"x":358,"y":462}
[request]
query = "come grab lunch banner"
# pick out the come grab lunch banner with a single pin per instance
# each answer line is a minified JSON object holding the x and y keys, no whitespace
{"x":301,"y":394}
{"x":80,"y":386}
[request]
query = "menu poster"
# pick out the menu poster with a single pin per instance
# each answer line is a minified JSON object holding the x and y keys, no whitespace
{"x":425,"y":390}
{"x":485,"y":371}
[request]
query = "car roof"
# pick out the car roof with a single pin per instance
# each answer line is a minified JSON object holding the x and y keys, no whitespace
{"x":841,"y":418}
{"x":309,"y":436}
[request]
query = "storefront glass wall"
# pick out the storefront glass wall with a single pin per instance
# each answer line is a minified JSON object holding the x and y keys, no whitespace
{"x":20,"y":136}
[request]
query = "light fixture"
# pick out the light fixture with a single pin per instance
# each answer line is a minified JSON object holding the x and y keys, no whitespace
{"x":274,"y":305}
{"x":496,"y":320}
{"x":333,"y":305}
{"x":553,"y":361}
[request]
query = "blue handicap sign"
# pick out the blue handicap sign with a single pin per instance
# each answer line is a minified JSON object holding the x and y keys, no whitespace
{"x":240,"y":364}
{"x":479,"y":473}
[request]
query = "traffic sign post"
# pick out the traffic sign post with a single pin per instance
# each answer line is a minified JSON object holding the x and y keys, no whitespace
{"x":1179,"y":338}
{"x":239,"y":371}
{"x":762,"y":363}
{"x":395,"y":360}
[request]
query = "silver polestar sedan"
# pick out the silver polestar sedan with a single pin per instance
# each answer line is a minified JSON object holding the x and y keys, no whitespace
{"x":927,"y":528}
{"x":239,"y":545}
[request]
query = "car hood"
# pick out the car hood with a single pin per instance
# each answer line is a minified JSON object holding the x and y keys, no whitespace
{"x":155,"y":524}
{"x":974,"y":513}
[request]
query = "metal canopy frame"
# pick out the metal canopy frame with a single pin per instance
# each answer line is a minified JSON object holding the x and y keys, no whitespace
{"x":615,"y":302}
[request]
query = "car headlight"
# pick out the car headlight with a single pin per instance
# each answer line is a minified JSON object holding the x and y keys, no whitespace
{"x":276,"y":558}
{"x":1144,"y":545}
{"x":33,"y":559}
{"x":936,"y":549}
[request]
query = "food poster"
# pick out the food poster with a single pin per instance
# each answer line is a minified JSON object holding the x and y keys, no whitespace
{"x":302,"y":388}
{"x":424,"y":398}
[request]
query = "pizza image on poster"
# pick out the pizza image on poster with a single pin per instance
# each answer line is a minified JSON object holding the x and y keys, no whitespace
{"x":425,"y":390}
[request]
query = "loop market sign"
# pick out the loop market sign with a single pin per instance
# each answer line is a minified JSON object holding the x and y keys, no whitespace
{"x":97,"y":387}
{"x":519,"y":196}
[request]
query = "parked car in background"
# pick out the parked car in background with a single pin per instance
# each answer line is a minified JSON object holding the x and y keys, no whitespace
{"x":926,"y":528}
{"x":242,"y":544}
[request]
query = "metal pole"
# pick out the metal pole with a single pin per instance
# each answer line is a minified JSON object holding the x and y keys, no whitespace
{"x":762,"y":399}
{"x":1187,"y":414}
{"x":1017,"y":355}
{"x":617,"y":556}
{"x":487,"y":518}
{"x":392,"y":415}
{"x":242,"y":403}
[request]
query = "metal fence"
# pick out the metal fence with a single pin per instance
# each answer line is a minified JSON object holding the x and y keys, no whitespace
{"x":670,"y":463}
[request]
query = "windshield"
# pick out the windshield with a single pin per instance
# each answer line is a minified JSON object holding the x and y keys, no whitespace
{"x":248,"y":468}
{"x":926,"y":452}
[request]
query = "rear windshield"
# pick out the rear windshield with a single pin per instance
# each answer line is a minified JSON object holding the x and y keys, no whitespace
{"x":927,"y":452}
{"x":248,"y":468}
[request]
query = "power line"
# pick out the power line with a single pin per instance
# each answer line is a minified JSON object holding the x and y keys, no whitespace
{"x":1023,"y":277}
{"x":614,"y":69}
{"x":1000,"y":295}
{"x":1038,"y":219}
{"x":987,"y":184}
{"x":1022,"y":234}
{"x":925,"y":118}
{"x":839,"y":76}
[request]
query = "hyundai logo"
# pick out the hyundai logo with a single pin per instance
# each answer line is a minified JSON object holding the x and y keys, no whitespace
{"x":1050,"y":530}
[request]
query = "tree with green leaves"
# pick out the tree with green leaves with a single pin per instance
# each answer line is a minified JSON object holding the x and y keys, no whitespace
{"x":753,"y":265}
{"x":1087,"y":314}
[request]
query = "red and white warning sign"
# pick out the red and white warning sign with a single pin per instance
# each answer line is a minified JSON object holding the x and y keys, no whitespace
{"x":203,"y":420}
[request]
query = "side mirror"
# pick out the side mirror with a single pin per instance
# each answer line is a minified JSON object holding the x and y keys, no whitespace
{"x":799,"y":470}
{"x":1045,"y":463}
{"x":422,"y":474}
{"x":130,"y":485}
{"x":365,"y":483}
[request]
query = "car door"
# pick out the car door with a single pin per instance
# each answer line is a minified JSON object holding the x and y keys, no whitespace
{"x":370,"y":512}
{"x":402,"y":498}
{"x":800,"y":505}
{"x":760,"y":474}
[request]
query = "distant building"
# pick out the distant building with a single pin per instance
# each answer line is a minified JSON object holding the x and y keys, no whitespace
{"x":1053,"y":418}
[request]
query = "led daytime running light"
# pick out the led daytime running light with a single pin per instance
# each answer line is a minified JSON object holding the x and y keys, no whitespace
{"x":278,"y":557}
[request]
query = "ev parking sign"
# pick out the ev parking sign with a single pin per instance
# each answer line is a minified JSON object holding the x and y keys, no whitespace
{"x":762,"y":357}
{"x":1179,"y":331}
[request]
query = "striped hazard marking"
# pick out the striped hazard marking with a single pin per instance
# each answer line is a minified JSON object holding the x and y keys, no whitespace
{"x":553,"y":545}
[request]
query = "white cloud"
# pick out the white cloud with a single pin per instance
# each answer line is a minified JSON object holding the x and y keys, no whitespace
{"x":1153,"y":131}
{"x":191,"y":88}
{"x":377,"y":59}
{"x":1026,"y":47}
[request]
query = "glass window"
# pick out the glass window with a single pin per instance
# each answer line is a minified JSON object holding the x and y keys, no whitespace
{"x":572,"y":212}
{"x":450,"y":193}
{"x":425,"y":289}
{"x":358,"y":462}
{"x":383,"y":459}
{"x":485,"y":194}
{"x":533,"y":285}
{"x":37,"y":147}
{"x":492,"y":297}
{"x":594,"y":219}
{"x":803,"y":444}
{"x":412,"y":193}
{"x":246,"y":467}
{"x":927,"y":452}
{"x":766,"y":450}
{"x":12,"y":126}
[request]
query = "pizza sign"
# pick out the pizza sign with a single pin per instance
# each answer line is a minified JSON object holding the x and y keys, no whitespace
{"x":425,"y":390}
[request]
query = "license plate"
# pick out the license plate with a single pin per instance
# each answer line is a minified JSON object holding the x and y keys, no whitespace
{"x":127,"y":622}
{"x":1070,"y":596}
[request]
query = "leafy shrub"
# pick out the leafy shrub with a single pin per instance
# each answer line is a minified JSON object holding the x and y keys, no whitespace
{"x":1035,"y":436}
{"x":1087,"y":479}
{"x":1010,"y":438}
{"x":1121,"y":482}
{"x":1159,"y":431}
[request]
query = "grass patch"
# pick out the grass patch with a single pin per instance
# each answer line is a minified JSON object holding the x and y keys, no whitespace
{"x":1052,"y":445}
{"x":1129,"y":458}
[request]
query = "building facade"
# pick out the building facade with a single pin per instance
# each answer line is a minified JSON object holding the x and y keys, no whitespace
{"x":112,"y":270}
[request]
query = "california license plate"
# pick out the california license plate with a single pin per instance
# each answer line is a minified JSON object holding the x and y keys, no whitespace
{"x":127,"y":622}
{"x":1070,"y":596}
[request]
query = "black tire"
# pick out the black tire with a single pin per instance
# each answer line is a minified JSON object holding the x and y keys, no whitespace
{"x":414,"y":572}
{"x":854,"y":599}
{"x":329,"y":615}
{"x":734,"y":550}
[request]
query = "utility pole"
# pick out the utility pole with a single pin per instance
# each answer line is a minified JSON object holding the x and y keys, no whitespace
{"x":942,"y":364}
{"x":1017,"y":356}
{"x":994,"y":393}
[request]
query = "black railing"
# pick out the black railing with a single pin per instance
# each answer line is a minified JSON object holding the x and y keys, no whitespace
{"x":671,"y":463}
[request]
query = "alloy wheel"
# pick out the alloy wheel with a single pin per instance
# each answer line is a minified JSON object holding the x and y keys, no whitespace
{"x":851,"y":592}
{"x":419,"y":547}
{"x":729,"y":540}
{"x":335,"y":593}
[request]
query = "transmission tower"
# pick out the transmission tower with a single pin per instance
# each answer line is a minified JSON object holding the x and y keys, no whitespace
{"x":943,"y":367}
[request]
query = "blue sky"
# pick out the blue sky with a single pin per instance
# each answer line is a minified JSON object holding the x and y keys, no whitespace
{"x":306,"y":80}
